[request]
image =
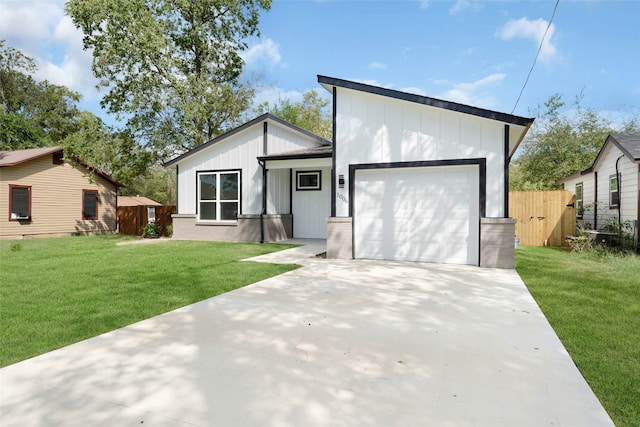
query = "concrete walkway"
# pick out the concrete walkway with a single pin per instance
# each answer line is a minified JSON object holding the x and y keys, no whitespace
{"x":335,"y":343}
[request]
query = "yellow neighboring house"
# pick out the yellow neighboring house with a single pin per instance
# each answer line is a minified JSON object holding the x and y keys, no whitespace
{"x":43,"y":195}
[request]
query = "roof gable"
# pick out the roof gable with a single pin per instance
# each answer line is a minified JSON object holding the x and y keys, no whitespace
{"x":136,"y":201}
{"x":16,"y":157}
{"x":516,"y":136}
{"x":627,"y":143}
{"x":260,"y":119}
{"x":425,"y":100}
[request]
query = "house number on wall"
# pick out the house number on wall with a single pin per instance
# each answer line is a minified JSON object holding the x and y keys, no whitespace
{"x":342,"y":197}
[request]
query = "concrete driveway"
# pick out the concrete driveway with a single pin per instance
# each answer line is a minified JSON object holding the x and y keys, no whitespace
{"x":335,"y":343}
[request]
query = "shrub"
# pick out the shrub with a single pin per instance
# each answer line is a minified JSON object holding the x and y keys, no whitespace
{"x":580,"y":243}
{"x":169,"y":230}
{"x":152,"y":230}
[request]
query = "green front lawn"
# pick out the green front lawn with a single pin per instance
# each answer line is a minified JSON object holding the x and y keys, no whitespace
{"x":593,"y":303}
{"x":54,"y":292}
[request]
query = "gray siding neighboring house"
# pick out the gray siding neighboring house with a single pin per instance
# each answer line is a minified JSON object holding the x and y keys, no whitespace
{"x":406,"y":177}
{"x":609,"y":189}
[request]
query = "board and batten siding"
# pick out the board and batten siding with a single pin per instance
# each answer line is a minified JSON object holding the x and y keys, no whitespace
{"x":241,"y":151}
{"x":375,"y":129}
{"x":56,"y":200}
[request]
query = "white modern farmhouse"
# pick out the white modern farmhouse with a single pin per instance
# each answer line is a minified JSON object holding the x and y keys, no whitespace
{"x":609,"y":191}
{"x":406,"y":177}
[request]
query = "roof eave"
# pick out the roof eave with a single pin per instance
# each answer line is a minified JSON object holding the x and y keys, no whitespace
{"x":296,"y":156}
{"x":247,"y":125}
{"x":329,"y":82}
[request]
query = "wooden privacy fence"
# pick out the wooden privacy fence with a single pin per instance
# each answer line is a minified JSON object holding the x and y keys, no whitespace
{"x":132,"y":219}
{"x":544,"y":218}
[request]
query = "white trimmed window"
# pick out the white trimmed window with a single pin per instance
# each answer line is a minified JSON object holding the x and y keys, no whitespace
{"x":218,"y":196}
{"x":308,"y":180}
{"x":579,"y":201}
{"x":614,"y":196}
{"x":151,"y":214}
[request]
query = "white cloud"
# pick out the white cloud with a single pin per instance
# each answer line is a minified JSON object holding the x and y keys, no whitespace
{"x":534,"y":30}
{"x":53,"y":42}
{"x":424,"y":4}
{"x":272,"y":95}
{"x":415,"y":90}
{"x":475,"y":93}
{"x":264,"y":54}
{"x":377,"y":66}
{"x":459,"y":6}
{"x":25,"y":22}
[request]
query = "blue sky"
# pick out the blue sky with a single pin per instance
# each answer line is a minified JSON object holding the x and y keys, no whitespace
{"x":474,"y":52}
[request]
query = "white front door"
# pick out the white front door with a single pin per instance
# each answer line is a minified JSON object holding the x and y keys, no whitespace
{"x":311,"y":204}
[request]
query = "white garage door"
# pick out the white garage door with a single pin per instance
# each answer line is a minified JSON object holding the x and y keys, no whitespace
{"x":418,"y":214}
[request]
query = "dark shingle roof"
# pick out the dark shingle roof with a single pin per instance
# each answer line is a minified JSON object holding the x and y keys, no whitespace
{"x":628,"y":143}
{"x":306,"y":153}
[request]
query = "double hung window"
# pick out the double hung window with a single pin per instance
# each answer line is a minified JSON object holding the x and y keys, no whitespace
{"x":89,"y":204}
{"x":19,"y":202}
{"x":218,"y":196}
{"x":614,"y":196}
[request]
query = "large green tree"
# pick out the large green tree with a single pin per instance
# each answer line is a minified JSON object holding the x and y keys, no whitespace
{"x":564,"y":140}
{"x":32,"y":113}
{"x":311,"y":114}
{"x":40,"y":114}
{"x":172,"y":68}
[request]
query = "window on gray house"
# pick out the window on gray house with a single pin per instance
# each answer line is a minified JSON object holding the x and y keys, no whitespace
{"x":614,"y":196}
{"x":579,"y":201}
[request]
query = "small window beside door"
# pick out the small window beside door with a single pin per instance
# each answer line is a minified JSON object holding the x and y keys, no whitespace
{"x":308,"y":180}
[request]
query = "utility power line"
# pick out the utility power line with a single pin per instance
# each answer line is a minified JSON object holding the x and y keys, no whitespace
{"x":537,"y":55}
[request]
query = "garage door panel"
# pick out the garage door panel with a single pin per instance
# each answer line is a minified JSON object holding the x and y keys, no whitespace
{"x":417,"y":214}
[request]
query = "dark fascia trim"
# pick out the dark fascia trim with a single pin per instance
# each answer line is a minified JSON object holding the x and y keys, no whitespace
{"x":425,"y":100}
{"x":480,"y":162}
{"x":505,"y":172}
{"x":261,"y":118}
{"x":295,"y":156}
{"x":610,"y":138}
{"x":177,"y":187}
{"x":334,"y":113}
{"x":621,"y":147}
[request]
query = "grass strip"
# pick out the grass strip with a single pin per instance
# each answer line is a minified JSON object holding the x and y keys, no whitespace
{"x":592,"y":300}
{"x":58,"y":291}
